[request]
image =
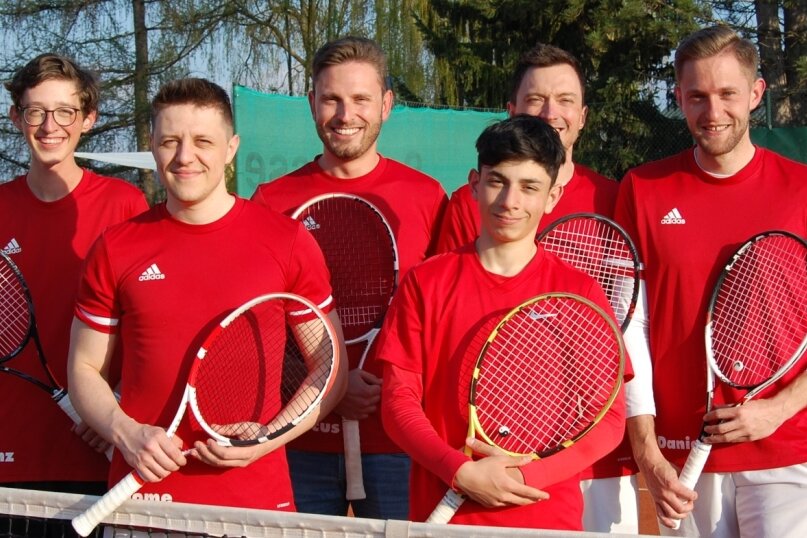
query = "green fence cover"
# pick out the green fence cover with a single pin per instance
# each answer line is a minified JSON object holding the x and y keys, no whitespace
{"x":789,"y":141}
{"x":278,"y":136}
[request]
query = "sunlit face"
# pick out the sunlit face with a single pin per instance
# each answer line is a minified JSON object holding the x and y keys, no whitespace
{"x":51,"y":143}
{"x":555,"y":95}
{"x":513,"y":196}
{"x":192,"y":147}
{"x":717,"y":95}
{"x":349,"y":105}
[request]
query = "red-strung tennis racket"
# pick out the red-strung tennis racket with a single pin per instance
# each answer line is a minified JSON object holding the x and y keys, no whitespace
{"x":361,"y":254}
{"x":17,"y":328}
{"x":260,"y":372}
{"x":547,"y":374}
{"x":756,"y":325}
{"x":600,"y":248}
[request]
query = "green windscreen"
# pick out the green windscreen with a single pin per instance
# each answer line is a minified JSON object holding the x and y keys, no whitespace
{"x":278,"y":136}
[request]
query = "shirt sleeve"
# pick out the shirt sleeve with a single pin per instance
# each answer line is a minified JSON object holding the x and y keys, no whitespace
{"x":406,"y":423}
{"x":97,"y":304}
{"x":459,"y":225}
{"x":310,"y":277}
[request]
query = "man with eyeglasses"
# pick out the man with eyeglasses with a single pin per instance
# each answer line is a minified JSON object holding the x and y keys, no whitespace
{"x":49,"y":218}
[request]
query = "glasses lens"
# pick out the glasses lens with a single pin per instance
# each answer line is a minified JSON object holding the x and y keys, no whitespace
{"x":34,"y":116}
{"x":64,"y":116}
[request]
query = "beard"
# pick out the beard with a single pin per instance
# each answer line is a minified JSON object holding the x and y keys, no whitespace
{"x":352,"y":149}
{"x":724,"y":145}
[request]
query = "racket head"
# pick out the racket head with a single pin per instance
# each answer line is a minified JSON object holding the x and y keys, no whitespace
{"x":602,"y":249}
{"x":547,"y":374}
{"x":263,"y":369}
{"x":361,"y":254}
{"x":756,"y":326}
{"x":16,"y":310}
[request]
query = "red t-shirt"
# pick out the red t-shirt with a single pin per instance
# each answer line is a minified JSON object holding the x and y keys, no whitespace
{"x":438,"y":320}
{"x":413,"y":204}
{"x":49,"y":241}
{"x":686,"y":224}
{"x":586,"y":192}
{"x":204,"y":271}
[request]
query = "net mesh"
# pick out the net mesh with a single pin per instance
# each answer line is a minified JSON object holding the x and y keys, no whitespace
{"x":599,"y":249}
{"x":27,"y":513}
{"x":759,"y":316}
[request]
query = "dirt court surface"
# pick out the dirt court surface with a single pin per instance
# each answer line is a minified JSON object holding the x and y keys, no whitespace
{"x":648,"y":524}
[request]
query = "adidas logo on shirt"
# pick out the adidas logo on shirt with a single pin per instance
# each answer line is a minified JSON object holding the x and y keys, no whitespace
{"x":673,"y":217}
{"x":310,"y":223}
{"x":12,"y":248}
{"x":152,"y":273}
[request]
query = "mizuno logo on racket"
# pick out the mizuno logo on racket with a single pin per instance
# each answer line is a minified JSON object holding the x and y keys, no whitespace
{"x":152,"y":273}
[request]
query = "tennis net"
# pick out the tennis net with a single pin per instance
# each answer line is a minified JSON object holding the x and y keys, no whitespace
{"x":39,"y":514}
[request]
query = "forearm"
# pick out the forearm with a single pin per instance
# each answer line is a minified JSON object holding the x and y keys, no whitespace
{"x":407,"y":425}
{"x":597,"y":443}
{"x":643,"y":441}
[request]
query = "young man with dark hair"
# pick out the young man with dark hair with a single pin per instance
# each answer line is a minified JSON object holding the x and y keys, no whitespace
{"x":548,"y":83}
{"x":437,"y":312}
{"x":211,"y":251}
{"x":721,"y":193}
{"x":49,"y":218}
{"x":349,"y":102}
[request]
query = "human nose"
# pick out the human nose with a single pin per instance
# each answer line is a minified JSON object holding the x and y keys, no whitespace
{"x":184,"y":153}
{"x":49,"y":123}
{"x":510,"y":198}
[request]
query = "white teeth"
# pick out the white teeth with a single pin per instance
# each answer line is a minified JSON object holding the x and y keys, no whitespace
{"x":50,"y":140}
{"x":347,"y":132}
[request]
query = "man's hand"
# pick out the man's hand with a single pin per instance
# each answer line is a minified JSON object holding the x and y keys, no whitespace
{"x":149,"y":451}
{"x":672,"y":499}
{"x":751,"y":421}
{"x":495,"y":480}
{"x":362,"y":397}
{"x":91,"y":437}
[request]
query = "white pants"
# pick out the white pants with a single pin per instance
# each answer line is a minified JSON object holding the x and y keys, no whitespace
{"x":771,"y":503}
{"x":611,"y":505}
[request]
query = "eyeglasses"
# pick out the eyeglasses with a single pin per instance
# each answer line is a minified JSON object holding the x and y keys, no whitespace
{"x":64,"y":116}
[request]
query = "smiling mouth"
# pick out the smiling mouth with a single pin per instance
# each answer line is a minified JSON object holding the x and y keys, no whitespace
{"x":346,"y":131}
{"x":715,"y":128}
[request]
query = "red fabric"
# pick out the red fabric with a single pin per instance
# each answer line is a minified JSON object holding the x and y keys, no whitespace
{"x":52,"y":240}
{"x":683,"y":252}
{"x":586,"y":192}
{"x":440,"y":317}
{"x":208,"y":271}
{"x":413,"y":204}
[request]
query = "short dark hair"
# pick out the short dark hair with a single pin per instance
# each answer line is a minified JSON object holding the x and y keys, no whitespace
{"x":713,"y":40}
{"x":543,"y":55}
{"x":50,"y":66}
{"x":521,"y":138}
{"x":351,"y":49}
{"x":198,"y":92}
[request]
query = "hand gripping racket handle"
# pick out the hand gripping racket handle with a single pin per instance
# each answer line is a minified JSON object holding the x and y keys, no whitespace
{"x":693,"y":467}
{"x":447,"y":508}
{"x":353,"y":473}
{"x":67,"y":406}
{"x":95,"y":514}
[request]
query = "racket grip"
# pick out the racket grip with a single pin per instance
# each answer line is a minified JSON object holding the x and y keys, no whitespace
{"x":353,"y":471}
{"x":85,"y":522}
{"x":447,"y":508}
{"x":693,"y":467}
{"x":67,"y":406}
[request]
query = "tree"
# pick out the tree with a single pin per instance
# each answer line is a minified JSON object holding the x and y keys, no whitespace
{"x":624,"y":47}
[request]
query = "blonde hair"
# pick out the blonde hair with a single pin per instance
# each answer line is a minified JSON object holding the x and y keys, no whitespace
{"x":712,"y":41}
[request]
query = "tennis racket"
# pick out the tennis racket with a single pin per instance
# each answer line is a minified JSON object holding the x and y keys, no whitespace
{"x":361,"y":254}
{"x":17,"y":328}
{"x":756,"y":325}
{"x":260,"y":372}
{"x":600,"y":248}
{"x":548,"y":373}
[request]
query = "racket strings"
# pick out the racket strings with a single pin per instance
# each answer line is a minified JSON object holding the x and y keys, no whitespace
{"x":15,"y":317}
{"x":360,"y":254}
{"x":760,"y":312}
{"x":545,"y":377}
{"x":600,"y":251}
{"x":260,"y":375}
